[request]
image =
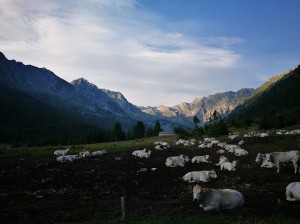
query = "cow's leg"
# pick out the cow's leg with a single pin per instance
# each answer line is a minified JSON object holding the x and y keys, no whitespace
{"x":212,"y":207}
{"x":277,"y":164}
{"x":203,"y":180}
{"x":290,"y":196}
{"x":296,"y":166}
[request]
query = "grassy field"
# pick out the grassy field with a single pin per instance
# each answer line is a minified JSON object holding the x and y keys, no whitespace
{"x":108,"y":146}
{"x":255,"y":182}
{"x":204,"y":219}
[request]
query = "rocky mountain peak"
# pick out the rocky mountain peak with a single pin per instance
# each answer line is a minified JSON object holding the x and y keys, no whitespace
{"x":81,"y":82}
{"x":115,"y":95}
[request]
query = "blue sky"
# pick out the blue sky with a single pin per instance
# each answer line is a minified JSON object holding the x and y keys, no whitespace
{"x":155,"y":51}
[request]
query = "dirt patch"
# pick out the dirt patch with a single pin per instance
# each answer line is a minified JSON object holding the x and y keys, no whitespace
{"x":37,"y":189}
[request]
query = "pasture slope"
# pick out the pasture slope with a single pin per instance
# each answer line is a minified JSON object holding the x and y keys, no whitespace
{"x":34,"y":188}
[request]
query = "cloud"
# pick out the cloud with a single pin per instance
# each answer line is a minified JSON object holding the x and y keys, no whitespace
{"x":120,"y":46}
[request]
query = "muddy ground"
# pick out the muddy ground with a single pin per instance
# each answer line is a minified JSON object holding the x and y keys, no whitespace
{"x":37,"y":189}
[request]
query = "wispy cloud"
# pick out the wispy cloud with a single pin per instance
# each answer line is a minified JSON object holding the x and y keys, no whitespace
{"x":118,"y":45}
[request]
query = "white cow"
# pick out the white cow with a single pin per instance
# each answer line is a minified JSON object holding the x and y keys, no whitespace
{"x":262,"y":135}
{"x":84,"y":154}
{"x":229,"y":166}
{"x":222,"y":159}
{"x":280,"y":157}
{"x":141,"y":153}
{"x":61,"y":152}
{"x":200,"y":176}
{"x":201,"y":159}
{"x":99,"y":153}
{"x":176,"y":161}
{"x":234,"y":135}
{"x":265,"y":162}
{"x":67,"y":158}
{"x":161,"y":145}
{"x":293,"y":191}
{"x":212,"y":199}
{"x":240,"y":152}
{"x":241,"y":142}
{"x":222,"y":144}
{"x":231,"y":148}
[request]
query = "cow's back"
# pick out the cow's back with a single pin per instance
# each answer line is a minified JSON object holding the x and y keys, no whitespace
{"x":231,"y":199}
{"x":286,"y":156}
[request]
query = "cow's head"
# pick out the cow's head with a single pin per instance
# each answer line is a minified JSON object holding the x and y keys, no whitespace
{"x":259,"y":157}
{"x":187,"y":177}
{"x":206,"y":156}
{"x":222,"y":157}
{"x":269,"y":157}
{"x":212,"y":174}
{"x":186,"y":158}
{"x":197,"y":192}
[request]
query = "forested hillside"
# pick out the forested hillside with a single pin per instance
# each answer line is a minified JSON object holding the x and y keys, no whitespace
{"x":276,"y":105}
{"x":27,"y":121}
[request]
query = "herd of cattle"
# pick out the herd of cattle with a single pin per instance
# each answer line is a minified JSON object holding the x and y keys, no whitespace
{"x":213,"y":199}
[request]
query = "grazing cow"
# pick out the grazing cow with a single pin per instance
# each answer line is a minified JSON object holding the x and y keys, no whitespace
{"x":201,"y":159}
{"x":280,"y":157}
{"x":213,"y":199}
{"x":176,"y":161}
{"x":200,"y":176}
{"x":222,"y":159}
{"x":293,"y":191}
{"x":229,"y":166}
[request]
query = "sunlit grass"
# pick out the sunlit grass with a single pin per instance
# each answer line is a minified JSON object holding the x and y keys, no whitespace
{"x":108,"y":146}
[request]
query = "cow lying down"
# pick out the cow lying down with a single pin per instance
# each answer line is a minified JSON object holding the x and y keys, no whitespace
{"x":175,"y":161}
{"x":200,"y":176}
{"x":217,"y":199}
{"x":201,"y":159}
{"x":293,"y":191}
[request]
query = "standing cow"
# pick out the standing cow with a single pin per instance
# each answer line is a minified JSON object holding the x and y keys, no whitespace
{"x":280,"y":157}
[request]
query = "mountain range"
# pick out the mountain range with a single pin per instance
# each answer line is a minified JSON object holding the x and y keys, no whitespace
{"x":29,"y":93}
